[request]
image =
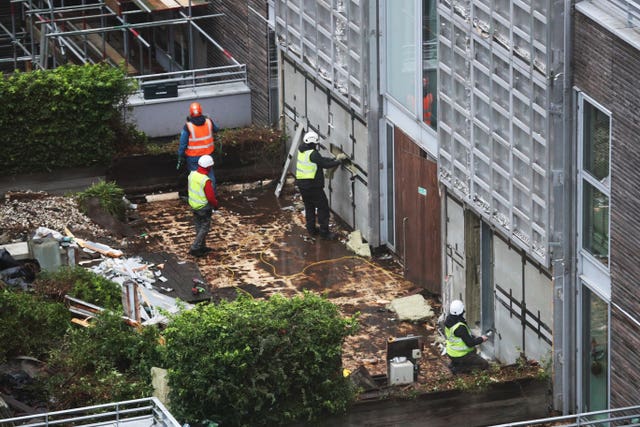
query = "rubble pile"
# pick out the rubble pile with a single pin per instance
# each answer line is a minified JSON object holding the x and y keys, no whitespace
{"x":23,"y":212}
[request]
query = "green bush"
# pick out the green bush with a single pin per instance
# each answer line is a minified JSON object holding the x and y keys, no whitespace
{"x":109,"y":195}
{"x":80,"y":283}
{"x":65,"y":117}
{"x":110,"y":361}
{"x":30,"y":325}
{"x":251,"y":363}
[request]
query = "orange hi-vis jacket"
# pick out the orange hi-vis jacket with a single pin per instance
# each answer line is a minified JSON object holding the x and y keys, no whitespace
{"x":200,"y":139}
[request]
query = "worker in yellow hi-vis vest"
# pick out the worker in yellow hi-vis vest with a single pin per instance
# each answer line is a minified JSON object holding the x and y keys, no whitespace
{"x":202,"y":200}
{"x":310,"y":182}
{"x":461,"y":344}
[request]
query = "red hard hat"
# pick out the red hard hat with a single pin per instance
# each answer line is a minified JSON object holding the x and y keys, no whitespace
{"x":195,"y":109}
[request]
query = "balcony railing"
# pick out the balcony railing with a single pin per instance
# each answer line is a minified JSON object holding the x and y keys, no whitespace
{"x":131,"y":413}
{"x":629,"y":417}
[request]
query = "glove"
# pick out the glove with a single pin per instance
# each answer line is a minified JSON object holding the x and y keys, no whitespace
{"x":179,"y":164}
{"x":342,"y":157}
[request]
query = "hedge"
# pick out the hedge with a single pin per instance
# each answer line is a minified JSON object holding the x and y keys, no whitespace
{"x":65,"y":117}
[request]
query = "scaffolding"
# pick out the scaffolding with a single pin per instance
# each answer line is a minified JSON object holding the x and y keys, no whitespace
{"x":153,"y":39}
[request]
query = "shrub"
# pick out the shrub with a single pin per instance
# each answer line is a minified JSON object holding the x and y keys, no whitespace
{"x":83,"y":284}
{"x":251,"y":362}
{"x":108,"y":362}
{"x":109,"y":195}
{"x":65,"y":117}
{"x":30,"y":325}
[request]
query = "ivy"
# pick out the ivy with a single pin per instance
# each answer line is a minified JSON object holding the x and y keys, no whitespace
{"x":59,"y":118}
{"x":251,"y":363}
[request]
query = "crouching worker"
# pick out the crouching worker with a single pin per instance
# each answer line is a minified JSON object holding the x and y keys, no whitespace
{"x":202,"y":200}
{"x":461,"y":343}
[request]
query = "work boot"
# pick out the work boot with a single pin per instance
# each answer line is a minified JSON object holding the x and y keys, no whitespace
{"x":206,"y":250}
{"x":313,"y":231}
{"x":328,"y":236}
{"x":196,"y":252}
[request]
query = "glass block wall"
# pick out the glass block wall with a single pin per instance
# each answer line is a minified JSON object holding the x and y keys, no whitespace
{"x":494,"y":107}
{"x":326,"y":37}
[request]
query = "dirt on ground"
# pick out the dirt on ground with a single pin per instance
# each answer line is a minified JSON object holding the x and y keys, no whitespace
{"x":260,"y":246}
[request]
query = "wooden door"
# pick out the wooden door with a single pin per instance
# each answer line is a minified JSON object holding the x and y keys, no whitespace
{"x":417,"y":219}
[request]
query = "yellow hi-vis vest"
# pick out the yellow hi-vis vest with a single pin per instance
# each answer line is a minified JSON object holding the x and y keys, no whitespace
{"x":456,"y":347}
{"x":305,"y":168}
{"x":197,"y":197}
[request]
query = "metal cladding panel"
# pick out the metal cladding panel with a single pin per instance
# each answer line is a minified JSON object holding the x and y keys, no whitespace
{"x":361,"y":197}
{"x":494,"y":104}
{"x":293,"y":90}
{"x":539,"y":302}
{"x":326,"y":38}
{"x":317,"y":111}
{"x":507,"y":270}
{"x":456,"y":277}
{"x":361,"y":146}
{"x":341,"y":128}
{"x":508,"y":336}
{"x":507,"y":290}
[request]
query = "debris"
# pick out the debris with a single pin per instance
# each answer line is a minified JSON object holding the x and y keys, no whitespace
{"x":357,"y":245}
{"x":413,"y":308}
{"x":163,"y":196}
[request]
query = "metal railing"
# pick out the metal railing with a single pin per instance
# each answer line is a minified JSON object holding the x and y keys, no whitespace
{"x":198,"y":77}
{"x":628,"y":417}
{"x":130,"y":413}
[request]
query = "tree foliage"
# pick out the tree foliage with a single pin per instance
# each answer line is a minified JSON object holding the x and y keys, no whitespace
{"x":251,"y":362}
{"x":80,"y":283}
{"x":30,"y":325}
{"x":64,"y":117}
{"x":108,"y":362}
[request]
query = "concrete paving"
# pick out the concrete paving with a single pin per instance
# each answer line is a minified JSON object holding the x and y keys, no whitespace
{"x":57,"y":183}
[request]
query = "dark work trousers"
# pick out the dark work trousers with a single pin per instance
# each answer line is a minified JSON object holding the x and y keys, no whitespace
{"x":314,"y":198}
{"x":468,"y":362}
{"x":202,"y":220}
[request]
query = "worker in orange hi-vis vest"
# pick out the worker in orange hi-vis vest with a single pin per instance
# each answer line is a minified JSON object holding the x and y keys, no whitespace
{"x":197,"y":139}
{"x":427,"y":101}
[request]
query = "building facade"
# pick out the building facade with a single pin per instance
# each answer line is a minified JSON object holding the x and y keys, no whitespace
{"x":495,"y":143}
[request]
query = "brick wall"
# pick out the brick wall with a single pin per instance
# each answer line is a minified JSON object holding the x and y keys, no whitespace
{"x":243,"y":32}
{"x":606,"y":69}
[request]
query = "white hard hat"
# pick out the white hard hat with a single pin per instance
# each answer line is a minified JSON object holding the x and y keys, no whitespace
{"x":205,"y":161}
{"x":457,"y":307}
{"x":310,"y":138}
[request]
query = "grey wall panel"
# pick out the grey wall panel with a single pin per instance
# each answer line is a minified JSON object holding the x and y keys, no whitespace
{"x":293,"y":89}
{"x":362,"y":199}
{"x":538,"y":290}
{"x":455,"y":281}
{"x":317,"y":110}
{"x":507,"y":340}
{"x":341,"y":130}
{"x":508,"y":276}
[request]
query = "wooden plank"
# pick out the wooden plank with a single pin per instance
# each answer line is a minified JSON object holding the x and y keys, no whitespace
{"x":109,"y":51}
{"x":158,"y":5}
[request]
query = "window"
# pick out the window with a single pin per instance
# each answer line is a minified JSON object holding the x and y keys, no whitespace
{"x":429,"y":62}
{"x":401,"y":52}
{"x":594,"y":137}
{"x":595,"y":352}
